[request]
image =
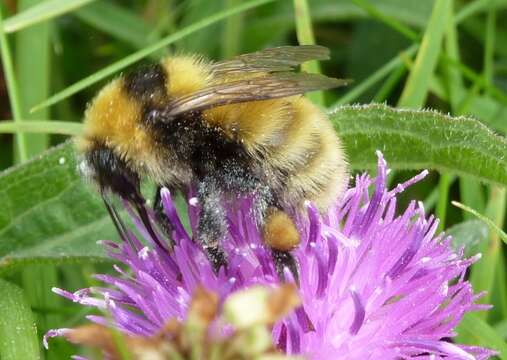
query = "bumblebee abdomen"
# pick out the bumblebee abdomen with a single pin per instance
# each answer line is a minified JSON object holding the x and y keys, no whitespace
{"x":310,"y":160}
{"x":292,"y":142}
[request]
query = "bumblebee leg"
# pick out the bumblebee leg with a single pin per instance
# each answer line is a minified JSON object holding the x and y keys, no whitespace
{"x":282,"y":260}
{"x":164,"y":222}
{"x":280,"y":233}
{"x":212,"y":222}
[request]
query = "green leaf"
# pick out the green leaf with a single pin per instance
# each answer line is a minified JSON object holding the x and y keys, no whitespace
{"x":490,"y":222}
{"x":48,"y":214}
{"x":37,"y":281}
{"x":501,"y":328}
{"x":468,"y":234}
{"x":41,"y":12}
{"x":413,"y":139}
{"x":18,"y":333}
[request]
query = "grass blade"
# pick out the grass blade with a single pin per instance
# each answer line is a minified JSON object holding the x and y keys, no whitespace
{"x":455,"y":85}
{"x":445,"y":60}
{"x":205,"y":42}
{"x":470,"y":190}
{"x":471,"y":193}
{"x":456,"y":91}
{"x":33,"y":76}
{"x":475,"y":27}
{"x":488,"y":221}
{"x":499,"y":296}
{"x":231,"y":33}
{"x":18,"y":335}
{"x":131,"y":59}
{"x":304,"y":32}
{"x":389,"y":85}
{"x":388,"y":20}
{"x":475,"y":7}
{"x":489,"y":47}
{"x":471,"y":75}
{"x":116,"y":21}
{"x":431,"y":199}
{"x":34,"y":79}
{"x":44,"y":11}
{"x":12,"y":88}
{"x":378,"y":75}
{"x":444,"y":184}
{"x":416,"y":89}
{"x":41,"y":127}
{"x":483,"y":273}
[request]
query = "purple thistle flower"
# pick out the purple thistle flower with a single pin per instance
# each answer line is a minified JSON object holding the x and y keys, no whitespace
{"x":373,"y":284}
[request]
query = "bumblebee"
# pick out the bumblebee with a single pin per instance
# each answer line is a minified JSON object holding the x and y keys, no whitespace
{"x":227,"y":129}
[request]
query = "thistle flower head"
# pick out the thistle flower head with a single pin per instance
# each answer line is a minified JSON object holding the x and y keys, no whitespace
{"x":375,"y":282}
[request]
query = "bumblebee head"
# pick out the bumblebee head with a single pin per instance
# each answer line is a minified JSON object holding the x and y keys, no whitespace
{"x":115,"y":134}
{"x":113,"y":174}
{"x":102,"y":166}
{"x":116,"y":146}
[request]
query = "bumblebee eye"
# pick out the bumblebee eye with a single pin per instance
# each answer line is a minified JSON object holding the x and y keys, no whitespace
{"x":146,"y":83}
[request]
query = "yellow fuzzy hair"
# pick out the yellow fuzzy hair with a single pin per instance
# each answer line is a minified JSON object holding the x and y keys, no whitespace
{"x":255,"y":124}
{"x":325,"y":175}
{"x":187,"y":74}
{"x":112,"y":118}
{"x":291,"y":134}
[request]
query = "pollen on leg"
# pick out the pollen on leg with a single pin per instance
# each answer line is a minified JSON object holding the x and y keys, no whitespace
{"x":280,"y":232}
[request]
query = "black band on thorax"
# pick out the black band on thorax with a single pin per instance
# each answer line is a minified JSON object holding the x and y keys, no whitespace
{"x":147,"y":83}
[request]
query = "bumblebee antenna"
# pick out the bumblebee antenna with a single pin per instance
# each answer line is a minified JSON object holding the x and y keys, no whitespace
{"x":117,"y":221}
{"x":145,"y":219}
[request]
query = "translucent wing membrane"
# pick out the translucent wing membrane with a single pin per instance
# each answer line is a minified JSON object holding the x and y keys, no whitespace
{"x":283,"y":58}
{"x":259,"y":88}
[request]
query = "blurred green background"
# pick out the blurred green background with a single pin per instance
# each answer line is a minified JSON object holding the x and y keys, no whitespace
{"x":445,"y":55}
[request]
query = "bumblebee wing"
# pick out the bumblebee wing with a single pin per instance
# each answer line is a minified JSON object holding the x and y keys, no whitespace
{"x":283,"y":58}
{"x":271,"y":86}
